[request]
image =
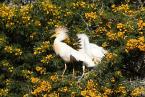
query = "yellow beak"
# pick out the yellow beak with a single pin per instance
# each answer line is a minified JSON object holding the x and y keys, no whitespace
{"x":54,"y":35}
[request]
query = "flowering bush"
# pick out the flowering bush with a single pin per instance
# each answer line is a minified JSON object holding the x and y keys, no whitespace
{"x":29,"y":67}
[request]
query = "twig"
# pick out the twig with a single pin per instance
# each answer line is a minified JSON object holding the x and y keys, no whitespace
{"x":84,"y":22}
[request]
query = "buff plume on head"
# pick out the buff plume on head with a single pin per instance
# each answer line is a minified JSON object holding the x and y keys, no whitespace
{"x":61,"y":29}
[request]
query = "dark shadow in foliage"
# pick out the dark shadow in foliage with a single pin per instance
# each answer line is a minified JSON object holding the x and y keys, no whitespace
{"x":134,"y":64}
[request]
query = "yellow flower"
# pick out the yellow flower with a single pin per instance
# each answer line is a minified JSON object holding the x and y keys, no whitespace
{"x":18,"y":51}
{"x":120,"y":26}
{"x":65,"y":89}
{"x":113,"y":6}
{"x":8,"y":49}
{"x":3,"y":92}
{"x":118,"y":73}
{"x":84,"y":93}
{"x":121,"y":89}
{"x":110,"y":56}
{"x":112,"y":79}
{"x":104,"y":44}
{"x":2,"y":39}
{"x":42,"y":48}
{"x":140,"y":24}
{"x":138,"y":91}
{"x":79,"y":4}
{"x":107,"y":91}
{"x":90,"y":84}
{"x":53,"y":94}
{"x":46,"y":59}
{"x":120,"y":34}
{"x":91,"y":16}
{"x":34,"y":80}
{"x":136,"y":43}
{"x":122,"y":8}
{"x":26,"y":95}
{"x":37,"y":23}
{"x":54,"y":77}
{"x":33,"y":35}
{"x":39,"y":69}
{"x":43,"y":86}
{"x":111,"y":36}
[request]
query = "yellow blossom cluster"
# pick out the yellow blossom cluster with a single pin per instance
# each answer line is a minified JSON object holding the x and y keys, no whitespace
{"x":63,"y":89}
{"x":46,"y":59}
{"x":79,"y":4}
{"x":135,"y":43}
{"x":54,"y":77}
{"x":120,"y":25}
{"x":37,"y":23}
{"x":27,"y":73}
{"x":111,"y":35}
{"x":24,"y":10}
{"x":26,"y":95}
{"x":112,"y":80}
{"x":120,"y":35}
{"x":101,"y":30}
{"x":43,"y":47}
{"x":43,"y":86}
{"x":104,"y":44}
{"x":107,"y":92}
{"x":2,"y":39}
{"x":68,"y":13}
{"x":121,"y":89}
{"x":8,"y":81}
{"x":3,"y":92}
{"x":141,"y":24}
{"x":33,"y":35}
{"x":91,"y":16}
{"x":115,"y":36}
{"x":7,"y":11}
{"x":118,"y":73}
{"x":41,"y":70}
{"x":122,"y":8}
{"x":90,"y":90}
{"x":12,"y":50}
{"x":49,"y":8}
{"x":110,"y":56}
{"x":52,"y":94}
{"x":34,"y":79}
{"x":6,"y":64}
{"x":138,"y":91}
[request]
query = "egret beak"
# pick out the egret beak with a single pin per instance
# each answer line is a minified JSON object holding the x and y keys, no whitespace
{"x":54,"y":35}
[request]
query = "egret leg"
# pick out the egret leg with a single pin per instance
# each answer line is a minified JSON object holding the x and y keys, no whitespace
{"x":83,"y":72}
{"x":65,"y":67}
{"x":73,"y":71}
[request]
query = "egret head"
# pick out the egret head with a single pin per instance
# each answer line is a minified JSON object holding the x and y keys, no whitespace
{"x":82,"y":36}
{"x":61,"y":32}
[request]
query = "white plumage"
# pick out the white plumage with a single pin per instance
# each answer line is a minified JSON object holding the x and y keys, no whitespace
{"x":66,"y":52}
{"x":94,"y":51}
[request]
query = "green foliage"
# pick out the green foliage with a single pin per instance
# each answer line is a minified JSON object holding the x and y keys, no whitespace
{"x":29,"y":67}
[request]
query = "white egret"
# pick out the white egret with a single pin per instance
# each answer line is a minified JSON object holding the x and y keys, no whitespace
{"x":94,"y":51}
{"x":67,"y":53}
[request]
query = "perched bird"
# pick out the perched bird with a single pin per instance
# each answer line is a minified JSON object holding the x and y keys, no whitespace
{"x":67,"y":53}
{"x":94,"y":51}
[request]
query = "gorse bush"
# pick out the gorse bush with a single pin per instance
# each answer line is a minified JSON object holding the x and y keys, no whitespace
{"x":29,"y":67}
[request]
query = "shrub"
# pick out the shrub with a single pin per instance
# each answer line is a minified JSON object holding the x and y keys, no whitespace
{"x":29,"y":66}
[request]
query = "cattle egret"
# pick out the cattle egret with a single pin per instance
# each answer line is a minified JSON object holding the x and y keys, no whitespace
{"x":67,"y":53}
{"x":94,"y":51}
